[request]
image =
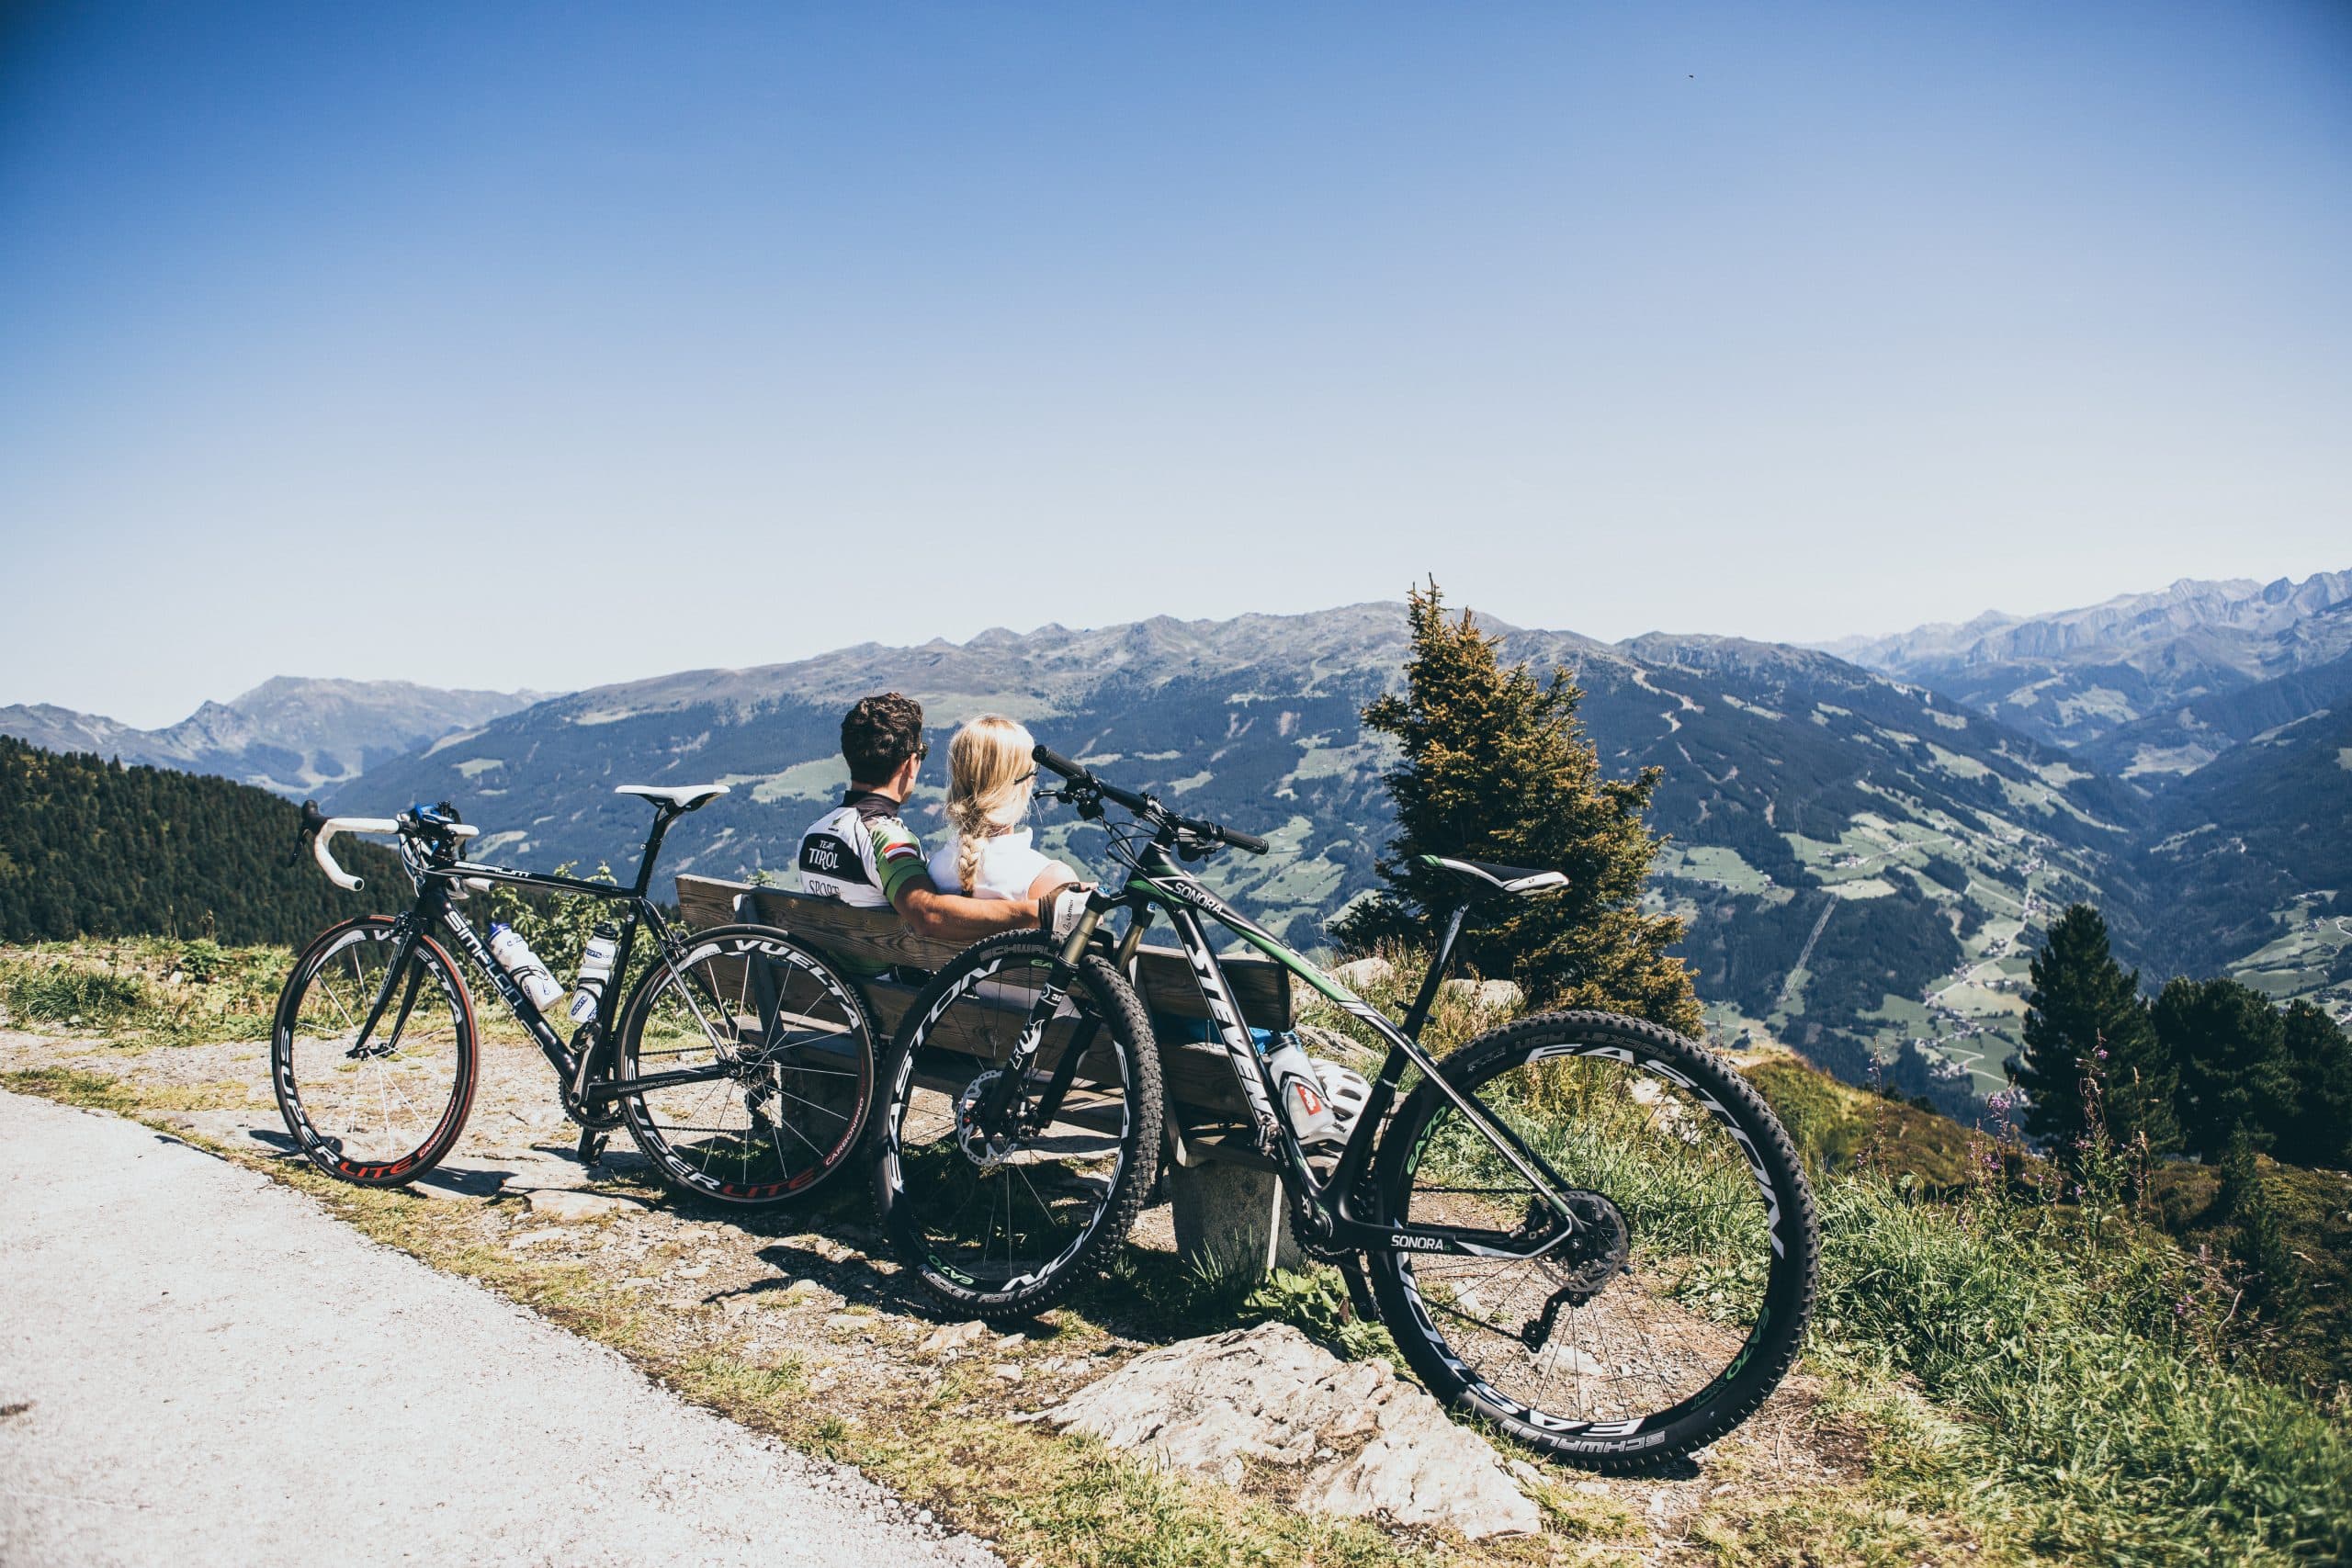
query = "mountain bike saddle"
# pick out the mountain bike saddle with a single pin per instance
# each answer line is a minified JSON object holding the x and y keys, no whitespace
{"x":1486,"y":879}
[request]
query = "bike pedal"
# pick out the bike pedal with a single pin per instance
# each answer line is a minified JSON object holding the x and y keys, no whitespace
{"x":592,"y":1146}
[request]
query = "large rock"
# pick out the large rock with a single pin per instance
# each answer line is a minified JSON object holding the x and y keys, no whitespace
{"x":1487,"y":995}
{"x":1269,"y":1394}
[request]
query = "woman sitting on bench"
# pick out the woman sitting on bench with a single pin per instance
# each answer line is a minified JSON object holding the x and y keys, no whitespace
{"x":987,"y":854}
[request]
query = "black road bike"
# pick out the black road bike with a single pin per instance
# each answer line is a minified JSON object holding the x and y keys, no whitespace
{"x":741,"y":1062}
{"x":1582,"y":1227}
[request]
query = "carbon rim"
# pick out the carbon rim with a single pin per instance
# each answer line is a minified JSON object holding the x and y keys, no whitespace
{"x":1002,"y":1213}
{"x":790,"y":1105}
{"x":383,"y":1112}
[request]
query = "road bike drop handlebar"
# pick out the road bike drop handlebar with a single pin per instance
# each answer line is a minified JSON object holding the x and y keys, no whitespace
{"x":1145,"y":806}
{"x":319,"y":830}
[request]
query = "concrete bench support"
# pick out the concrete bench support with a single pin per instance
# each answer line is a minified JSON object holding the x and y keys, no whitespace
{"x":1232,"y":1220}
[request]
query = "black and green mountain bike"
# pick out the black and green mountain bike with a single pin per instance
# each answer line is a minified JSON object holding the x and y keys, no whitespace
{"x":1583,"y":1227}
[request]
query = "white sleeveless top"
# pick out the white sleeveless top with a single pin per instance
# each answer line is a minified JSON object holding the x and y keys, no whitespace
{"x":1008,"y":865}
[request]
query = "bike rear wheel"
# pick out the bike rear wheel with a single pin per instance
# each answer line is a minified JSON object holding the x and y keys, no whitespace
{"x":787,"y":1046}
{"x":1001,"y":1218}
{"x":382,"y":1111}
{"x":1678,"y":1298}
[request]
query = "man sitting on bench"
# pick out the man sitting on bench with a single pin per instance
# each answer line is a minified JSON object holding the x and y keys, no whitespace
{"x":863,"y":854}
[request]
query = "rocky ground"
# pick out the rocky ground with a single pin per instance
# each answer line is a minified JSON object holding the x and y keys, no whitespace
{"x":792,"y":1324}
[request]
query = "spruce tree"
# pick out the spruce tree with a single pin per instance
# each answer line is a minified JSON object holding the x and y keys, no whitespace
{"x":1494,"y":767}
{"x":2228,"y":1043}
{"x":2318,"y":1058}
{"x":2087,"y":1030}
{"x":2258,"y":1242}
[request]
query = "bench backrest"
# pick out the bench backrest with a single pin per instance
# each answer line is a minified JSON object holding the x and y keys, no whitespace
{"x":872,"y":937}
{"x":1196,"y":1074}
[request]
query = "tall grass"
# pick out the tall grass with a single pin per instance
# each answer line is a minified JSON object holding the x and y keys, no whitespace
{"x":2098,"y":1413}
{"x":151,"y":989}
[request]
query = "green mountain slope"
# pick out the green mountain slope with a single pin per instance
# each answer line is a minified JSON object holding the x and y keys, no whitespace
{"x":2250,"y":860}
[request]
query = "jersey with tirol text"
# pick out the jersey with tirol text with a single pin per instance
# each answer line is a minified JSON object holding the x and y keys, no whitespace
{"x":860,"y":852}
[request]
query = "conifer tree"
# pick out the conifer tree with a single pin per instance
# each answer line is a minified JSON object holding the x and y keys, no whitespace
{"x":2087,"y":1025}
{"x":1494,"y":767}
{"x":2229,"y":1044}
{"x":2258,"y":1241}
{"x":2318,"y":1058}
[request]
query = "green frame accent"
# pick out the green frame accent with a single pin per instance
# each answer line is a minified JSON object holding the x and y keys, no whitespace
{"x":1263,"y":940}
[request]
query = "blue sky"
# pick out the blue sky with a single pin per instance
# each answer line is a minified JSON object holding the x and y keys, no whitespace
{"x":543,"y":346}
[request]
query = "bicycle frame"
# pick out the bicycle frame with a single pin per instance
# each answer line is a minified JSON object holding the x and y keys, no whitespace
{"x":1155,"y":882}
{"x":439,"y":882}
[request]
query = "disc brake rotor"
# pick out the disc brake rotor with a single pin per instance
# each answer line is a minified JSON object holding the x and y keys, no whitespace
{"x":984,"y":1147}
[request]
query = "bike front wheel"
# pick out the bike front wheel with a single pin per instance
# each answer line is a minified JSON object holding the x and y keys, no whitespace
{"x":377,"y":1105}
{"x":1672,"y":1302}
{"x":1000,"y":1196}
{"x":753,"y":1062}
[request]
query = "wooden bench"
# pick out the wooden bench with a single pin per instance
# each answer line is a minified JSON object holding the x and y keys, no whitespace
{"x":1228,"y":1207}
{"x":1203,"y":1099}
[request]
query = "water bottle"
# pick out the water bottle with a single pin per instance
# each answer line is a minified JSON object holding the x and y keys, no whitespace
{"x":1305,"y":1104}
{"x":595,"y":968}
{"x":515,"y":955}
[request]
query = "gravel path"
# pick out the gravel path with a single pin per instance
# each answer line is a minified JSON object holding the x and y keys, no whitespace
{"x":197,"y":1365}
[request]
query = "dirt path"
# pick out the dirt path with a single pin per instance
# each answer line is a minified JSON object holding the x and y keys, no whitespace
{"x":199,"y":1365}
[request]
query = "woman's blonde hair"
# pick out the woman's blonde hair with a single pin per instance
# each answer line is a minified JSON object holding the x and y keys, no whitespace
{"x":990,"y":776}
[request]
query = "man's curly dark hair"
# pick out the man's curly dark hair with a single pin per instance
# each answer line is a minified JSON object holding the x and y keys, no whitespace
{"x":880,"y":733}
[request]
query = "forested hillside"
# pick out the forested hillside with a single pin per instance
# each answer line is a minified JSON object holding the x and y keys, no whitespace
{"x":89,"y":847}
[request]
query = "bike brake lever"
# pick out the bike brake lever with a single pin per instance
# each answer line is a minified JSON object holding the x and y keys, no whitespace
{"x":312,"y":820}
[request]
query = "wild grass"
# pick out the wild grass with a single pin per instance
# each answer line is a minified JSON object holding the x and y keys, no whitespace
{"x":145,"y":990}
{"x":2098,"y":1410}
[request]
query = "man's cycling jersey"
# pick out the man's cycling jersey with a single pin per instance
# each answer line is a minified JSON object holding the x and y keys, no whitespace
{"x":860,"y":852}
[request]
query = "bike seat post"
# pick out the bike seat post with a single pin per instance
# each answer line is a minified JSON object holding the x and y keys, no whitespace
{"x":663,"y":814}
{"x":1440,"y":960}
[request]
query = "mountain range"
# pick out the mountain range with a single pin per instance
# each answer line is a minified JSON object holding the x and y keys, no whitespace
{"x":1865,"y":840}
{"x":290,"y":735}
{"x":2109,"y":674}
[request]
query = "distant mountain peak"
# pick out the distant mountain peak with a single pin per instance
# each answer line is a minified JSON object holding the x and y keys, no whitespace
{"x":292,"y":734}
{"x":2073,"y":676}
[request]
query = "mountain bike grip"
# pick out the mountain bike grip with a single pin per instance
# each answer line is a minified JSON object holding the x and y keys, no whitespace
{"x":1241,"y":841}
{"x":1052,"y":760}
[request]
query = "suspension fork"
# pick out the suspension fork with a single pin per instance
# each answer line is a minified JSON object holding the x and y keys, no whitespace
{"x":1049,"y":1103}
{"x":1059,"y":978}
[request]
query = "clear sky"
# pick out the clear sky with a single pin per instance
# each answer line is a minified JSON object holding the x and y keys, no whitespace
{"x":504,"y":344}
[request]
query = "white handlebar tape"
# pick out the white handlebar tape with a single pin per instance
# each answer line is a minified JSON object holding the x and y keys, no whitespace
{"x":325,"y":856}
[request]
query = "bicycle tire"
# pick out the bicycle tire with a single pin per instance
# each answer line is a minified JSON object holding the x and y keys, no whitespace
{"x":1697,"y":1087}
{"x":1126,"y":1031}
{"x":322,"y":1129}
{"x":840,"y":1068}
